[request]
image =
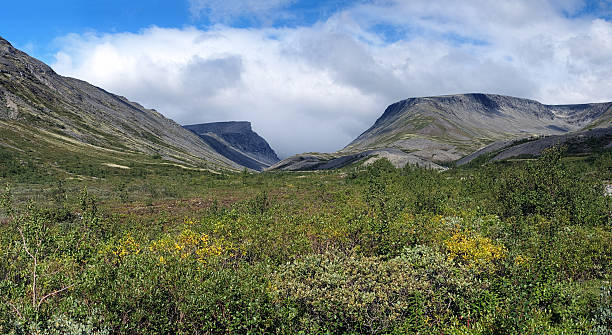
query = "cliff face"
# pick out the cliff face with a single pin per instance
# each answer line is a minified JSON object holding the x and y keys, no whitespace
{"x":34,"y":98}
{"x":237,"y":141}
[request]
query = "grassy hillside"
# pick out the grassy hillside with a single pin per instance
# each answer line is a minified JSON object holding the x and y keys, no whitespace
{"x":516,"y":247}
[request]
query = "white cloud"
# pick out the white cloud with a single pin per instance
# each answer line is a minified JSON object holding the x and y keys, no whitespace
{"x":315,"y":88}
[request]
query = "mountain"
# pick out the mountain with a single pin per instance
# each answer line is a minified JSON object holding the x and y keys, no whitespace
{"x":236,"y":141}
{"x":37,"y":104}
{"x":444,"y":129}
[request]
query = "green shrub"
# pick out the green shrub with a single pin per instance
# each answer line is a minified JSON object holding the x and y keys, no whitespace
{"x":356,"y":294}
{"x":603,"y":312}
{"x":549,"y":188}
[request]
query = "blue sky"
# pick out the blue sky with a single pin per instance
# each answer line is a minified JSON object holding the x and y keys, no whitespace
{"x":312,"y":75}
{"x":34,"y":25}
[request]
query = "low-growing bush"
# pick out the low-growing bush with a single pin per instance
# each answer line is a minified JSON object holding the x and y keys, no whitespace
{"x":354,"y":294}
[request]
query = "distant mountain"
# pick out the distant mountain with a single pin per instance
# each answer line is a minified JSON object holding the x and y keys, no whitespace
{"x":446,"y":128}
{"x":236,"y":141}
{"x":40,"y":105}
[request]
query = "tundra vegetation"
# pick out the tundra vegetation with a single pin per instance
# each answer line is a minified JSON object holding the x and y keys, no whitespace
{"x":521,"y":247}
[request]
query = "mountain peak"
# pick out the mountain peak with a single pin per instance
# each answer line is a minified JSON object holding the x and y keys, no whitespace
{"x":5,"y":46}
{"x":237,"y":142}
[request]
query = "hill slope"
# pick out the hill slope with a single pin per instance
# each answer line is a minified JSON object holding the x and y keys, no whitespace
{"x":582,"y":142}
{"x":236,"y":141}
{"x":45,"y":106}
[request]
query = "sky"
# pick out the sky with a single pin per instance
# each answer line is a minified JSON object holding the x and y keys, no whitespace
{"x":312,"y":75}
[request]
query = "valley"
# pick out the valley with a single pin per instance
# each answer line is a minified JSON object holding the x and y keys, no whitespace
{"x":459,"y":214}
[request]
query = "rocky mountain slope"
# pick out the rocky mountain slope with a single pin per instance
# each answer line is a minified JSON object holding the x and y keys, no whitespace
{"x":446,"y":128}
{"x":44,"y":106}
{"x":330,"y":161}
{"x":237,"y":141}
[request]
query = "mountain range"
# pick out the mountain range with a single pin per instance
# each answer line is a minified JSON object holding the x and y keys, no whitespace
{"x":40,"y":109}
{"x":37,"y":104}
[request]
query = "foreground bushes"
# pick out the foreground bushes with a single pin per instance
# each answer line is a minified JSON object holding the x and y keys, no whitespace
{"x":380,"y":251}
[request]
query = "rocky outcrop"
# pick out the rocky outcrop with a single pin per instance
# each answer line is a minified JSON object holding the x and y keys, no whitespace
{"x":237,"y":141}
{"x":32,"y":94}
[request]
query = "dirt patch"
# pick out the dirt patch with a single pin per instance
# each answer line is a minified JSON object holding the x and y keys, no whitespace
{"x":116,"y":166}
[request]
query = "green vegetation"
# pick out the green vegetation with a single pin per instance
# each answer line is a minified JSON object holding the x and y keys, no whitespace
{"x":517,"y":247}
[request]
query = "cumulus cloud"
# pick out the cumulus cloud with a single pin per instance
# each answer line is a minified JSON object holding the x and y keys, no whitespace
{"x":316,"y":87}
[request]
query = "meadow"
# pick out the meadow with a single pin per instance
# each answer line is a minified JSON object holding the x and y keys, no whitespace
{"x":519,"y":247}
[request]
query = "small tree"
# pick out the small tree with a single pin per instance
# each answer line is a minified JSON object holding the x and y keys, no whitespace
{"x":35,"y":275}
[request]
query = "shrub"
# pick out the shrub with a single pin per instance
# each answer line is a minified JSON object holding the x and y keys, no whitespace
{"x":603,"y":312}
{"x":356,"y":294}
{"x":474,"y":250}
{"x":548,"y":188}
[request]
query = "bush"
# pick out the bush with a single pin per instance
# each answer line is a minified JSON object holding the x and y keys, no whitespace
{"x":474,"y":250}
{"x":356,"y":294}
{"x":548,"y":188}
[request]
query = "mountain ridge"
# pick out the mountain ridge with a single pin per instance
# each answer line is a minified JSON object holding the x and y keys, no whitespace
{"x":452,"y":126}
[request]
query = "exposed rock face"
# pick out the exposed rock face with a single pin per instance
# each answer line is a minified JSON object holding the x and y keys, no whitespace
{"x":238,"y":142}
{"x":32,"y":94}
{"x":446,"y":128}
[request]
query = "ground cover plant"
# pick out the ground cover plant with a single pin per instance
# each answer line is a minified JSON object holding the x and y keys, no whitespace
{"x":521,"y":247}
